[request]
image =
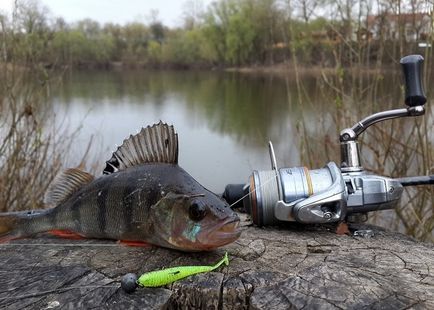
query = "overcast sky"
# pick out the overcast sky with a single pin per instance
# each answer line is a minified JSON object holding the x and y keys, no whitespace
{"x":117,"y":11}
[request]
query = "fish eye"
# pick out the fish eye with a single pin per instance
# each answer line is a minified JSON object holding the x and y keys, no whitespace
{"x":197,"y":212}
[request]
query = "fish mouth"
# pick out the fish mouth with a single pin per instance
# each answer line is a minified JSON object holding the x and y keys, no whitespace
{"x":228,"y":232}
{"x":230,"y":227}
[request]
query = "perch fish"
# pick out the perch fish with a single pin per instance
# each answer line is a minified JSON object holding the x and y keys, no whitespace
{"x":143,"y":195}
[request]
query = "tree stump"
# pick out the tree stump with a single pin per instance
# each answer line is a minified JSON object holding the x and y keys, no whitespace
{"x":270,"y":268}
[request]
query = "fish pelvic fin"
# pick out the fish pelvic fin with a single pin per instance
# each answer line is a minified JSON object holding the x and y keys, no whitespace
{"x":66,"y":234}
{"x":135,"y":243}
{"x":153,"y":144}
{"x":65,"y":184}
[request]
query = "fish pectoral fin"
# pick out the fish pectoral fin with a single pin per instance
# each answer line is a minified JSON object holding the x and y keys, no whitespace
{"x":153,"y":144}
{"x":135,"y":243}
{"x":67,"y":234}
{"x":65,"y":184}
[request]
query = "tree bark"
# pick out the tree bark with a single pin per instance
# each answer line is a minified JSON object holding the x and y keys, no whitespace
{"x":270,"y":268}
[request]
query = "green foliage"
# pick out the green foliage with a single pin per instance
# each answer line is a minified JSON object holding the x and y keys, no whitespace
{"x":242,"y":32}
{"x":232,"y":32}
{"x":74,"y":47}
{"x":228,"y":33}
{"x":135,"y":36}
{"x":154,"y":52}
{"x":239,"y":39}
{"x":187,"y":47}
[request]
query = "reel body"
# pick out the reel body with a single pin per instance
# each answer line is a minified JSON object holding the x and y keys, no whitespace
{"x":316,"y":196}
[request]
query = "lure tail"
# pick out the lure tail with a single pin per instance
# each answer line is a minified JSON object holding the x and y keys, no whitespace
{"x":225,"y":260}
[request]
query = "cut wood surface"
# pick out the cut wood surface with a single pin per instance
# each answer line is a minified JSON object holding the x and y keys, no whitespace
{"x":270,"y":268}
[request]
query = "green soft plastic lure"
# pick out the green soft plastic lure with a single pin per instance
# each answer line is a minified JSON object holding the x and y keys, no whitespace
{"x":170,"y":275}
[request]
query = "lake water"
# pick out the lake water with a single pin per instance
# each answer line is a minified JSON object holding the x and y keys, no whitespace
{"x":224,"y":120}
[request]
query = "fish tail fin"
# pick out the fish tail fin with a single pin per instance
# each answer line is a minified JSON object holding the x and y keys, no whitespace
{"x":9,"y":227}
{"x":14,"y":225}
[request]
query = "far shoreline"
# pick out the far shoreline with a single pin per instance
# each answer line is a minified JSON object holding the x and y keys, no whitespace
{"x":280,"y":69}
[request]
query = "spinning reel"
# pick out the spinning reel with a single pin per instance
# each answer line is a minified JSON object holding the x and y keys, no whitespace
{"x":332,"y":193}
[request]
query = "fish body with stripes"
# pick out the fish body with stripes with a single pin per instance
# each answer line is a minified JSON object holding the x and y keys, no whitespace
{"x":143,"y":195}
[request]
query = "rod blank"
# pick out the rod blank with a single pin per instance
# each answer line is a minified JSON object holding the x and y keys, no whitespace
{"x":420,"y":180}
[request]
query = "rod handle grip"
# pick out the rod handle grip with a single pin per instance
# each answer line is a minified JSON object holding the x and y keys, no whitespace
{"x":412,"y":69}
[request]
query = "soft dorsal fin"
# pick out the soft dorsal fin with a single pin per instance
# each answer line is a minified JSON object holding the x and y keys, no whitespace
{"x":153,"y":144}
{"x":65,"y":184}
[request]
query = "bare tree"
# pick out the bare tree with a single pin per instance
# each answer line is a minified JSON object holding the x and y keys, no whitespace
{"x":193,"y":11}
{"x":307,"y":8}
{"x":30,"y":16}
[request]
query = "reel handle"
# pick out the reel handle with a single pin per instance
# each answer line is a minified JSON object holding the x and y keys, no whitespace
{"x":412,"y":69}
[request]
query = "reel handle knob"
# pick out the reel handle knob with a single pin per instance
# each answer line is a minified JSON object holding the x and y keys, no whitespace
{"x":412,"y":69}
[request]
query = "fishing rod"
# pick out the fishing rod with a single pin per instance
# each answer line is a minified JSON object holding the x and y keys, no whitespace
{"x":333,"y":193}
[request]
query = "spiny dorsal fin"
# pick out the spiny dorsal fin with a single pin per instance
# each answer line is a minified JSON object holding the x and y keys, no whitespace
{"x":65,"y":184}
{"x":156,"y":144}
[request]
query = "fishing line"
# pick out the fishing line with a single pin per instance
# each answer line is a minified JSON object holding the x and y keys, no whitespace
{"x":57,"y":290}
{"x":254,"y":190}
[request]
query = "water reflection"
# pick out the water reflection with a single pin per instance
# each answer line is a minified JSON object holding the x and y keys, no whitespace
{"x":224,"y":119}
{"x":247,"y":107}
